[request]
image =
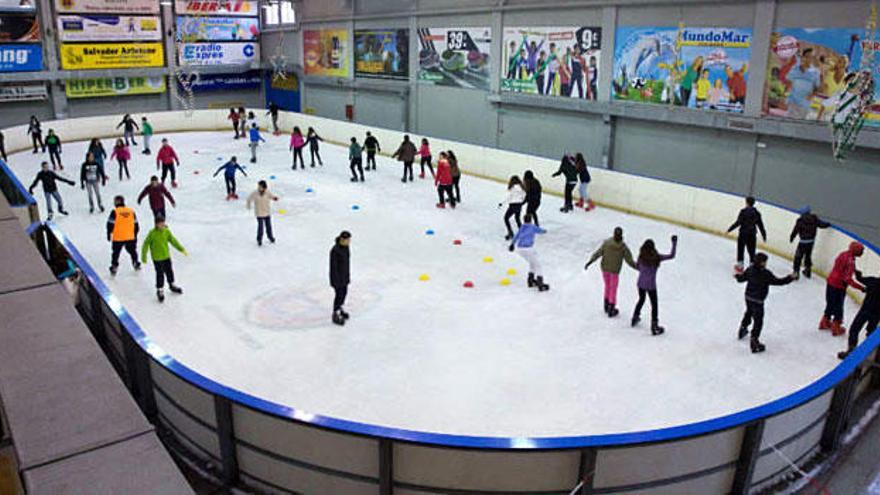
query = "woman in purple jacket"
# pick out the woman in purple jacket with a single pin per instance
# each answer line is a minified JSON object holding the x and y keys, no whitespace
{"x":647,"y":264}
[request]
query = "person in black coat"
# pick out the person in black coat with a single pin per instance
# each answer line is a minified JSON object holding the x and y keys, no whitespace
{"x":758,"y":280}
{"x":569,"y":170}
{"x":340,"y":275}
{"x":50,"y":188}
{"x":749,"y":223}
{"x":868,"y":315}
{"x":533,"y":195}
{"x":805,"y":228}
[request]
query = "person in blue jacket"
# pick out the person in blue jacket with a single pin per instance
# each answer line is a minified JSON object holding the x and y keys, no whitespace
{"x":255,"y":138}
{"x":524,"y":241}
{"x":229,"y":168}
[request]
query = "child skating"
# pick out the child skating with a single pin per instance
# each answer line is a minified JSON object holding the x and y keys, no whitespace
{"x":524,"y":244}
{"x":157,"y":194}
{"x":340,"y":277}
{"x":235,"y":118}
{"x":806,"y":227}
{"x":50,"y":189}
{"x":371,"y":144}
{"x":122,"y":155}
{"x":567,"y":168}
{"x":96,"y":149}
{"x":869,"y":314}
{"x":443,"y":182}
{"x":584,"y":179}
{"x":146,"y":133}
{"x":168,"y":160}
{"x":255,"y":138}
{"x":516,"y":197}
{"x":425,"y":155}
{"x":406,"y":153}
{"x":312,"y":139}
{"x":262,"y":200}
{"x":758,"y":280}
{"x":841,"y":277}
{"x":748,"y":222}
{"x":229,"y":169}
{"x":35,"y":131}
{"x":129,"y":127}
{"x":122,"y":231}
{"x":456,"y":174}
{"x":297,"y":143}
{"x":613,"y":253}
{"x":648,"y":263}
{"x":91,"y":176}
{"x":53,"y":144}
{"x":355,"y":157}
{"x":532,"y":187}
{"x":156,"y":243}
{"x":273,"y":113}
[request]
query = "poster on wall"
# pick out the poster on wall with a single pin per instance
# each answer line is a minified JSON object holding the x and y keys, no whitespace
{"x":23,"y":92}
{"x":552,"y":61}
{"x":21,"y":58}
{"x":114,"y":86}
{"x":107,"y":6}
{"x":227,"y":82}
{"x":18,"y":5}
{"x":217,"y":28}
{"x":106,"y":27}
{"x":111,"y":55}
{"x":808,"y":72}
{"x":218,"y":53}
{"x":325,"y":52}
{"x":283,"y":91}
{"x":710,"y":71}
{"x":456,"y":57}
{"x":19,"y":28}
{"x":217,"y":7}
{"x":381,"y":53}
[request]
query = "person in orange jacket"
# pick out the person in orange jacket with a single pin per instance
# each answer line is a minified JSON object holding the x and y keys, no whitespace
{"x":841,"y":277}
{"x":122,"y":231}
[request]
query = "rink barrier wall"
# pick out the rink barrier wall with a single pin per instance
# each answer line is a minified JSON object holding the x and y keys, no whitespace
{"x":248,"y":441}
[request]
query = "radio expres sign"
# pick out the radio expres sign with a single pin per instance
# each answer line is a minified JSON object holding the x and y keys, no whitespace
{"x":217,"y":7}
{"x":218,"y":53}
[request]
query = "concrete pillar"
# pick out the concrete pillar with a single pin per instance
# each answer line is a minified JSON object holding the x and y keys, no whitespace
{"x":606,"y":60}
{"x":170,"y":55}
{"x":765,"y":18}
{"x":51,"y":58}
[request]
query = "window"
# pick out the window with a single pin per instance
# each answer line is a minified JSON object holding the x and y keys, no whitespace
{"x":288,"y":15}
{"x":278,"y":12}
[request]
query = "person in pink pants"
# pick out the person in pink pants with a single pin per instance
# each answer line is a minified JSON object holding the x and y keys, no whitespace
{"x":613,"y":253}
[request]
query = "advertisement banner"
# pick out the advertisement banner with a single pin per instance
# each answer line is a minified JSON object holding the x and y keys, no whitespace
{"x":107,"y":6}
{"x":283,"y":90}
{"x":18,"y":6}
{"x":809,"y":70}
{"x":19,"y":28}
{"x":325,"y":52}
{"x":217,"y":7}
{"x":218,"y":53}
{"x":114,"y":86}
{"x":217,"y":28}
{"x":709,"y":70}
{"x":111,"y":55}
{"x":21,"y":58}
{"x":456,"y":57}
{"x":381,"y":53}
{"x":23,"y":92}
{"x":227,"y":82}
{"x":554,"y":61}
{"x":109,"y":28}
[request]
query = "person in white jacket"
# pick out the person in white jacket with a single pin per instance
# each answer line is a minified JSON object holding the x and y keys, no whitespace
{"x":516,"y":197}
{"x":262,"y":201}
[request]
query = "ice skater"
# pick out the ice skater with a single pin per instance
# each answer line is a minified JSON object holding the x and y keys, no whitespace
{"x":96,"y":149}
{"x":805,"y":228}
{"x":53,"y":144}
{"x":524,"y":243}
{"x":533,"y":195}
{"x":235,"y":118}
{"x":340,"y":276}
{"x":250,"y":121}
{"x":35,"y":131}
{"x":167,"y":159}
{"x":456,"y":174}
{"x":229,"y":169}
{"x":355,"y":158}
{"x":406,"y":153}
{"x":516,"y":197}
{"x":312,"y":138}
{"x":425,"y":159}
{"x":50,"y":188}
{"x":157,"y":194}
{"x":262,"y":200}
{"x":613,"y":253}
{"x":568,"y":169}
{"x":255,"y":138}
{"x":156,"y":243}
{"x":273,"y":112}
{"x":748,"y":222}
{"x":584,"y":179}
{"x":868,"y":315}
{"x":122,"y":155}
{"x":297,"y":143}
{"x":242,"y":120}
{"x":91,"y":173}
{"x":122,"y":231}
{"x":129,"y":127}
{"x":371,"y":144}
{"x":443,"y":182}
{"x":647,"y":264}
{"x":758,"y":280}
{"x":146,"y":134}
{"x":841,"y":277}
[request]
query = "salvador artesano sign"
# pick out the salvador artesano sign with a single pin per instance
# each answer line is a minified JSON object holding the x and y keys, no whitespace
{"x":111,"y":55}
{"x":218,"y":53}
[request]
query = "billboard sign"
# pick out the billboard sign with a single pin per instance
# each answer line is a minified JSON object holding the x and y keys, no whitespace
{"x":107,"y":6}
{"x":111,"y":55}
{"x":21,"y":57}
{"x":105,"y":27}
{"x":217,"y":7}
{"x":114,"y":86}
{"x":23,"y":92}
{"x":217,"y":28}
{"x":381,"y":53}
{"x":457,"y":57}
{"x":19,"y":28}
{"x":218,"y":53}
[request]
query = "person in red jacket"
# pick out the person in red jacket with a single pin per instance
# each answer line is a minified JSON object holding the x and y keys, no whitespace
{"x":167,"y":159}
{"x":841,"y":277}
{"x":234,"y":117}
{"x":443,"y":181}
{"x":157,"y":193}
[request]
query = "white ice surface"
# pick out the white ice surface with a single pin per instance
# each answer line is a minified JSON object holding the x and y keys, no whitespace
{"x":434,"y":356}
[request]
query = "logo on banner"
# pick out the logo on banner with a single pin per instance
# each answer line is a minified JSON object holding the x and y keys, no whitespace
{"x":217,"y":6}
{"x":248,"y":51}
{"x":15,"y":56}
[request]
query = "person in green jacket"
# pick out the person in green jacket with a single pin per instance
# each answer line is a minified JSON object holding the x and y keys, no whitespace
{"x":613,"y":253}
{"x":355,"y":155}
{"x":147,"y":132}
{"x":156,"y":243}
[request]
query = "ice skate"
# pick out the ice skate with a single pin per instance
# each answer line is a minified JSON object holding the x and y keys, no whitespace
{"x":101,"y":208}
{"x":174,"y":184}
{"x":354,"y":179}
{"x":422,"y":175}
{"x":657,"y":329}
{"x":808,"y":273}
{"x":113,"y":270}
{"x":743,"y":332}
{"x":580,"y":203}
{"x":607,"y":307}
{"x":844,"y":354}
{"x":635,"y":320}
{"x":531,"y":280}
{"x":508,"y":237}
{"x":825,"y":323}
{"x":441,"y":206}
{"x":136,"y":265}
{"x":49,"y":217}
{"x":344,"y":315}
{"x":63,"y":212}
{"x":253,"y":160}
{"x":757,"y":347}
{"x":234,"y":196}
{"x":160,"y":294}
{"x":539,"y":281}
{"x":738,"y":268}
{"x":175,"y":289}
{"x":837,"y":329}
{"x":228,"y":197}
{"x":337,"y":318}
{"x":612,"y":310}
{"x":91,"y":209}
{"x":590,"y":205}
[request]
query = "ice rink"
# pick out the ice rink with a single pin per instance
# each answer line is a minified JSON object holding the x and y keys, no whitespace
{"x":431,"y":355}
